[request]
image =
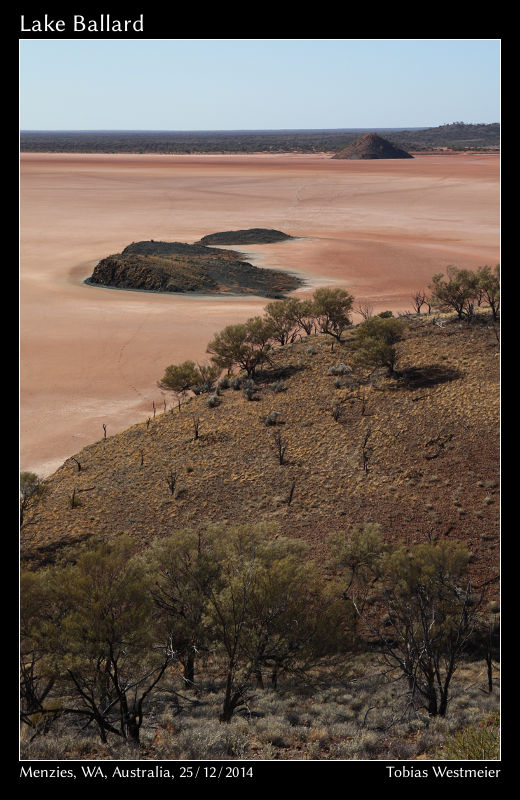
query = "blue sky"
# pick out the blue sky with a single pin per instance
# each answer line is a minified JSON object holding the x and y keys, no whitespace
{"x":231,"y":84}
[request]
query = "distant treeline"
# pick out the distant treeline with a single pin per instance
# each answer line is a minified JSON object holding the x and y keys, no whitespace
{"x":457,"y":136}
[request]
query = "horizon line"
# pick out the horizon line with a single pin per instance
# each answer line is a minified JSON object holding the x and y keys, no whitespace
{"x":247,"y":130}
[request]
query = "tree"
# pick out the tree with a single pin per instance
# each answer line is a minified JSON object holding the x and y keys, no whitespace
{"x":487,"y":641}
{"x":282,"y":316}
{"x":365,"y":310}
{"x":208,"y":375}
{"x":489,"y":283}
{"x":36,"y":679}
{"x":304,"y":314}
{"x":267,"y":607}
{"x":302,"y":621}
{"x":332,"y":309}
{"x":105,"y":647}
{"x":179,"y":378}
{"x":418,"y":300}
{"x":374,"y":342}
{"x":457,"y":293}
{"x":245,"y":345}
{"x":183,"y":571}
{"x":418,"y":605}
{"x":31,"y":492}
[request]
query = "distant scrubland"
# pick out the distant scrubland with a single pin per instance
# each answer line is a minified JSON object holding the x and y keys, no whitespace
{"x":455,"y":136}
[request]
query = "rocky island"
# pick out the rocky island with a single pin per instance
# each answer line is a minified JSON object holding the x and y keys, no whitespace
{"x":247,"y":236}
{"x":371,"y":146}
{"x":179,"y":267}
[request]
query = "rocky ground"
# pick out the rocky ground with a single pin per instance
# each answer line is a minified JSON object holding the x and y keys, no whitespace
{"x":179,"y":267}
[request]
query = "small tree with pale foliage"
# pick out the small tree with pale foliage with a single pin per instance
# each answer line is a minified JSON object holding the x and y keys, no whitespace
{"x":374,"y":342}
{"x":282,"y":315}
{"x":179,"y":378}
{"x":332,"y":308}
{"x":418,"y":604}
{"x":489,"y":284}
{"x":457,"y":292}
{"x":245,"y":345}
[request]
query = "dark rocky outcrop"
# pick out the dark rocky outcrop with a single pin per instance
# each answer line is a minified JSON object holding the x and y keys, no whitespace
{"x":371,"y":146}
{"x":247,"y":236}
{"x":180,"y":267}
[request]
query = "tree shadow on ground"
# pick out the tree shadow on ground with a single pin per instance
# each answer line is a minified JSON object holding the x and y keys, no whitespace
{"x":276,"y":374}
{"x":427,"y":375}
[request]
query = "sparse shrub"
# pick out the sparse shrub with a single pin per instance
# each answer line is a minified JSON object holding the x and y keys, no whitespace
{"x":224,"y":383}
{"x":196,"y":426}
{"x":343,"y":751}
{"x":272,"y":418}
{"x":310,"y":350}
{"x":472,"y":743}
{"x":74,"y":500}
{"x":367,"y":743}
{"x":201,"y":388}
{"x":339,"y":369}
{"x":211,"y":741}
{"x":213,"y":401}
{"x":249,"y":389}
{"x":171,"y":480}
{"x":402,"y":749}
{"x":280,"y":446}
{"x":337,"y":412}
{"x":236,"y":383}
{"x":279,"y":386}
{"x":278,"y":734}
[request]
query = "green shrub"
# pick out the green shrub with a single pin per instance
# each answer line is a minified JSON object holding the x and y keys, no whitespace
{"x":474,"y":743}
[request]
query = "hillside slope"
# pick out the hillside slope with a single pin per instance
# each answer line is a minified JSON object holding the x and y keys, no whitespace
{"x":432,"y":453}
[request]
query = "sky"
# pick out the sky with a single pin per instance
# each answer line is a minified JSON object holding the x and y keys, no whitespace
{"x":255,"y":84}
